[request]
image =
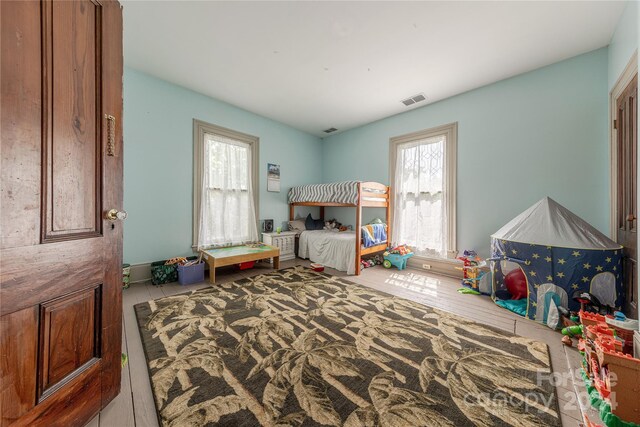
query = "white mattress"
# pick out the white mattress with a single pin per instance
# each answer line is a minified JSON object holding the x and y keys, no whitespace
{"x":330,"y":248}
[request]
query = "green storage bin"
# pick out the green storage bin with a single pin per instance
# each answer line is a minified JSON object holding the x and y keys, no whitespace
{"x":161,"y":273}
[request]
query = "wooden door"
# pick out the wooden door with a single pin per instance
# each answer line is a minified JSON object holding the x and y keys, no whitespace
{"x":60,"y":170}
{"x":627,"y":143}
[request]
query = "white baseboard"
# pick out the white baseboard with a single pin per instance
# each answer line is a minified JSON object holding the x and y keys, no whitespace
{"x":443,"y":267}
{"x":140,"y":273}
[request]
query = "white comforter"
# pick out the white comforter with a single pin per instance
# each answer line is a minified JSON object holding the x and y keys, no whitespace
{"x":330,"y":248}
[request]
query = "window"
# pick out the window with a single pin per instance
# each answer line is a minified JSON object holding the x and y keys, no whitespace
{"x":423,"y":174}
{"x":225,"y":186}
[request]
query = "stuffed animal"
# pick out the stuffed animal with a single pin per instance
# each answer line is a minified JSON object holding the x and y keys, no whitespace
{"x":332,"y":224}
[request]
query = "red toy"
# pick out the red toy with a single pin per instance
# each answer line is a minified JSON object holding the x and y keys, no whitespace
{"x":516,"y":284}
{"x":246,"y":265}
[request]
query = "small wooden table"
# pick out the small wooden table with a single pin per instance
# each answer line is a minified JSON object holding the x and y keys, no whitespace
{"x":221,"y":257}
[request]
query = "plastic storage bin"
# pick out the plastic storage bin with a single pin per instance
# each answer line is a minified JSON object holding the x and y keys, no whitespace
{"x":190,"y":274}
{"x":161,"y":273}
{"x":246,"y":265}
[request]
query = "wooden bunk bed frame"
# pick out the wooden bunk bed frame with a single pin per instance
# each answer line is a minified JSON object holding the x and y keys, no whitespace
{"x":362,"y":202}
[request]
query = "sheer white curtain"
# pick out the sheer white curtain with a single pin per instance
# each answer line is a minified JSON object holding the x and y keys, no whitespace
{"x":420,"y":218}
{"x":227,"y":213}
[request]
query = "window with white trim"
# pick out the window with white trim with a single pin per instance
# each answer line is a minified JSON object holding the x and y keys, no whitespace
{"x":423,"y":185}
{"x":225,"y":186}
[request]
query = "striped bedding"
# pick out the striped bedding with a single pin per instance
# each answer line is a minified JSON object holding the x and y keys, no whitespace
{"x":335,"y":192}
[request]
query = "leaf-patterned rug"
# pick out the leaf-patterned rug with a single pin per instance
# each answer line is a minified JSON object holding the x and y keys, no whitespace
{"x":300,"y":348}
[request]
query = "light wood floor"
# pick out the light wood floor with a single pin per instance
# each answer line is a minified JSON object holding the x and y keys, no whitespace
{"x":134,"y":406}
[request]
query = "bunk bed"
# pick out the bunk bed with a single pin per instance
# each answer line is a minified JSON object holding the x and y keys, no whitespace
{"x":354,"y":194}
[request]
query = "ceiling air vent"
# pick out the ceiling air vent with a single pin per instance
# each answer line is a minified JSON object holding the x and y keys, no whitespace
{"x":414,"y":99}
{"x":329,"y":130}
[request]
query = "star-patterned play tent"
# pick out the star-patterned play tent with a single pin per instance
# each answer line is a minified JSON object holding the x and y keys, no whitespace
{"x":558,"y":253}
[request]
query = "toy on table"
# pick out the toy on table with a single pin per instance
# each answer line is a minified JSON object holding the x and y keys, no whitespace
{"x":397,"y":256}
{"x":471,"y":270}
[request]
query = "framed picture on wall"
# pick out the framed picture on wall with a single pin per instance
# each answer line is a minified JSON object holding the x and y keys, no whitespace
{"x":273,"y":177}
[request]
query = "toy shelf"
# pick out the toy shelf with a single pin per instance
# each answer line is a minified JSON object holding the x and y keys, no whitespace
{"x":614,"y":374}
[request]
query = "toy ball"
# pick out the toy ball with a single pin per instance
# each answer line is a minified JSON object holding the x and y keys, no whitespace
{"x":516,"y":284}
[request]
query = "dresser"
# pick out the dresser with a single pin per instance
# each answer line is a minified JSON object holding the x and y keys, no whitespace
{"x":285,"y":241}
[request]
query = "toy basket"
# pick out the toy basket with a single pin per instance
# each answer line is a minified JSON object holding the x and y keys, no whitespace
{"x":161,"y":273}
{"x":189,"y":274}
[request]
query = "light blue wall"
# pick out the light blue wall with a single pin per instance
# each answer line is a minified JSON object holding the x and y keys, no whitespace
{"x":540,"y":133}
{"x":536,"y":134}
{"x":158,"y":157}
{"x":624,"y":41}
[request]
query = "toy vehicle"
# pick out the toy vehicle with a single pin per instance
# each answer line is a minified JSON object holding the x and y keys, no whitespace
{"x":400,"y":261}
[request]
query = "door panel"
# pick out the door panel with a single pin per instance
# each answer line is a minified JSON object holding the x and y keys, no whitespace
{"x":626,"y":215}
{"x":19,"y":332}
{"x":21,"y":105}
{"x":112,"y":198}
{"x":69,"y":338}
{"x":60,"y":258}
{"x":78,"y":406}
{"x":72,"y":150}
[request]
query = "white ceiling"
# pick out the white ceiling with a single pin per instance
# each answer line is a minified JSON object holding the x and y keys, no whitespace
{"x":316,"y":65}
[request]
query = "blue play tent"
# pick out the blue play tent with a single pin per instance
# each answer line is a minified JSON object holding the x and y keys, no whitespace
{"x":558,"y":253}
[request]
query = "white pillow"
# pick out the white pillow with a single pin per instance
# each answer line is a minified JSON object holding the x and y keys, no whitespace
{"x":297,"y":225}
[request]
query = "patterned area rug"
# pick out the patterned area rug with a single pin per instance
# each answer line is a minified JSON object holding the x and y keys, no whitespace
{"x":295,"y":347}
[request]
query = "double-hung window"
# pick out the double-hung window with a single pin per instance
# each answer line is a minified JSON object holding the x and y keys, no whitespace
{"x":225,"y":186}
{"x":423,"y":175}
